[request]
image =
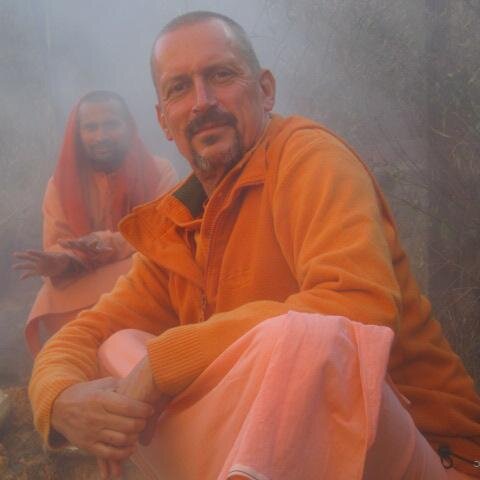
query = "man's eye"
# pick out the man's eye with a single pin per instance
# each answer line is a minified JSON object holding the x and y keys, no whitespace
{"x":222,"y":75}
{"x":176,"y":89}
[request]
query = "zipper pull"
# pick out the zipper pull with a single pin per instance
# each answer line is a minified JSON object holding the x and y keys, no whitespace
{"x":447,"y":461}
{"x":203,"y":305}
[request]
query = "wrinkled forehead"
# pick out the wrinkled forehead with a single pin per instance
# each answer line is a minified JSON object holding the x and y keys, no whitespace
{"x":182,"y":47}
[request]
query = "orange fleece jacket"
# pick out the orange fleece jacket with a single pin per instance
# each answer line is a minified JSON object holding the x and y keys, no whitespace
{"x":298,"y":224}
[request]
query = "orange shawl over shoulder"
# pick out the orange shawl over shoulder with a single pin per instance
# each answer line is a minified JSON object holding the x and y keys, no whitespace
{"x":135,"y":182}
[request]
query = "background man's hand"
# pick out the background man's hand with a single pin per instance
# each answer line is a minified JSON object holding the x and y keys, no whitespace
{"x":92,"y":416}
{"x":40,"y":263}
{"x":91,"y":246}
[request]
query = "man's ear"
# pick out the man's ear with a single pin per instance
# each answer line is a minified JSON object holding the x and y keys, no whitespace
{"x":162,"y":122}
{"x":267,"y":84}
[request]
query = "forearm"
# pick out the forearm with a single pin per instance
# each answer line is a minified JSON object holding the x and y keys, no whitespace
{"x":181,"y":354}
{"x":335,"y":238}
{"x":119,"y":247}
{"x":42,"y":397}
{"x":75,"y":268}
{"x":71,"y":355}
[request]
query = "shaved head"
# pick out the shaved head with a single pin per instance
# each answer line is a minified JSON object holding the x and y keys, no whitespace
{"x":242,"y":42}
{"x":102,"y":96}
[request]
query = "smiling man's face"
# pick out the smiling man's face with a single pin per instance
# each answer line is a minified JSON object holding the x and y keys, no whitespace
{"x":212,"y":103}
{"x":104,"y":133}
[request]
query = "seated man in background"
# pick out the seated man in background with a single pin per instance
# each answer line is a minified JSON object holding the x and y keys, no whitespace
{"x":103,"y":171}
{"x":283,"y":333}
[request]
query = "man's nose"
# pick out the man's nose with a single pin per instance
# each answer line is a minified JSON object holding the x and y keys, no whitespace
{"x":101,"y":133}
{"x":204,"y":96}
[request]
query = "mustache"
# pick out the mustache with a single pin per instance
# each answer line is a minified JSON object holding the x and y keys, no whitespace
{"x":211,"y":116}
{"x":104,"y":143}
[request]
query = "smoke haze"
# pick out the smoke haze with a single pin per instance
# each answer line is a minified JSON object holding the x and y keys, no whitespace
{"x":368,"y":69}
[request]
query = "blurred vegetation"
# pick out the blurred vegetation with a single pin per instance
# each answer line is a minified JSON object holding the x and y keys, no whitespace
{"x":453,"y":76}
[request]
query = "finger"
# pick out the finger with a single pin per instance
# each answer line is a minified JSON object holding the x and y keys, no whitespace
{"x":24,"y":266}
{"x":96,"y":246}
{"x":102,"y":249}
{"x":64,"y":242}
{"x":106,"y":383}
{"x":147,"y":435}
{"x":115,"y":468}
{"x":118,"y":439}
{"x":108,"y":452}
{"x":127,"y":407}
{"x":126,"y":425}
{"x":23,"y":255}
{"x":104,"y":468}
{"x":74,"y":245}
{"x":23,"y":276}
{"x":79,"y":248}
{"x":38,"y":253}
{"x":91,"y":242}
{"x":71,"y":243}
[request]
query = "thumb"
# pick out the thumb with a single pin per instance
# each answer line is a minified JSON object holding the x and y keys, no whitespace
{"x":147,"y":435}
{"x":106,"y":383}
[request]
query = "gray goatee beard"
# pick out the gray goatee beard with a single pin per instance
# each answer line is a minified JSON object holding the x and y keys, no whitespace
{"x":227,"y":160}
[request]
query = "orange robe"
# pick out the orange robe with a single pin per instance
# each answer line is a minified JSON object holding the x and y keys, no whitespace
{"x":300,"y":396}
{"x":57,"y":304}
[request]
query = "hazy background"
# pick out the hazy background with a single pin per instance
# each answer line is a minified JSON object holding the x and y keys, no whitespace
{"x":399,"y":80}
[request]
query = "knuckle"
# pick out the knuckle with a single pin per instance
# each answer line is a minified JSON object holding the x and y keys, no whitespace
{"x":118,"y":440}
{"x":118,"y":453}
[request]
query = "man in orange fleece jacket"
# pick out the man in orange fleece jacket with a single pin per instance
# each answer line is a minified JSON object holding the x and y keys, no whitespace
{"x":278,"y":215}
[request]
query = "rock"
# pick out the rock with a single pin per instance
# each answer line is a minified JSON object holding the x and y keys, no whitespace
{"x":5,"y":407}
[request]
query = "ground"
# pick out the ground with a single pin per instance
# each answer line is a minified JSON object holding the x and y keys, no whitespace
{"x":22,"y":456}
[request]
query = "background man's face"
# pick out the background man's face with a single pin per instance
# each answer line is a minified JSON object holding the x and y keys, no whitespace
{"x":104,"y":133}
{"x":211,"y":102}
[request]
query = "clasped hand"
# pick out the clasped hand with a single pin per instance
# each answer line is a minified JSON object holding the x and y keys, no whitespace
{"x":54,"y":264}
{"x":107,"y":417}
{"x":91,"y":246}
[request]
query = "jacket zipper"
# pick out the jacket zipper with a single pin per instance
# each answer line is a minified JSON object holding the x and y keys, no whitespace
{"x":447,"y":461}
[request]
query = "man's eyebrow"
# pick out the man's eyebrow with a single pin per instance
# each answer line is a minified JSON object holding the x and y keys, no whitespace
{"x":175,"y":78}
{"x":222,"y":64}
{"x":206,"y":70}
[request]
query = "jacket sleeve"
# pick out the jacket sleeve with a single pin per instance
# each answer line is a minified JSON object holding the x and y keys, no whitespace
{"x":139,"y":300}
{"x":334,"y":232}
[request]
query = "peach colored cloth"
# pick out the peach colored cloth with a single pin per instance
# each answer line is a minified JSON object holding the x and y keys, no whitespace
{"x":300,"y":396}
{"x":56,"y":305}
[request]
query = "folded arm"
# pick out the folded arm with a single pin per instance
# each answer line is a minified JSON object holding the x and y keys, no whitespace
{"x":70,"y":357}
{"x":335,"y":236}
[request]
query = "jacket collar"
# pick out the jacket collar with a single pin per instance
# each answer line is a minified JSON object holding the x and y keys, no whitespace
{"x":250,"y":170}
{"x":157,"y":229}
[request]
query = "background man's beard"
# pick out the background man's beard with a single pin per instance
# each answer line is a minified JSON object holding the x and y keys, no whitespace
{"x":108,"y":164}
